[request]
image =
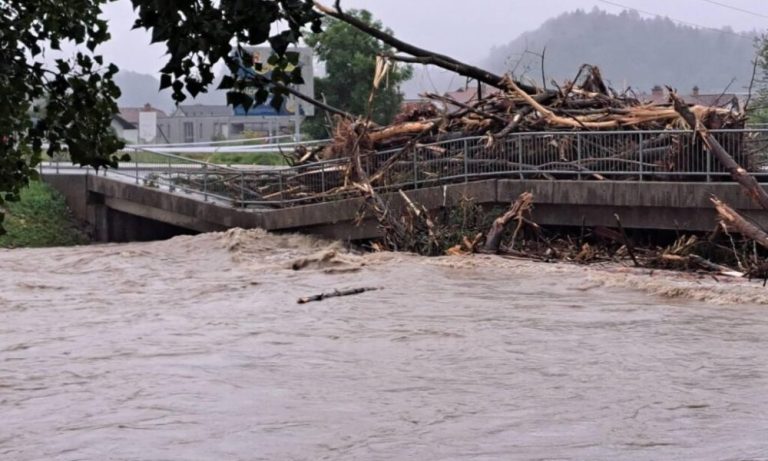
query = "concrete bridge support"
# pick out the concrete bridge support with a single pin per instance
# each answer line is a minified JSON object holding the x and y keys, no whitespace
{"x":107,"y":218}
{"x":117,"y":210}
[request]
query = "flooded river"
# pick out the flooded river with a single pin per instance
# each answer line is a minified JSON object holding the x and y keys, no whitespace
{"x":196,"y":349}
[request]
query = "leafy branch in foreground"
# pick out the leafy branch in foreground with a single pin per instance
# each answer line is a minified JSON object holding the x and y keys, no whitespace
{"x":199,"y":34}
{"x":48,"y":99}
{"x":54,"y":101}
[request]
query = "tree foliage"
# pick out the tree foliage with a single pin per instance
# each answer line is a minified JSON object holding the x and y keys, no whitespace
{"x":198,"y":34}
{"x":758,"y":108}
{"x":350,"y":63}
{"x":65,"y":102}
{"x":55,"y":103}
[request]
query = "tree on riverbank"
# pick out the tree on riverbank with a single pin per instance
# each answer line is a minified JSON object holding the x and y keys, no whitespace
{"x":758,"y":110}
{"x":48,"y":98}
{"x":349,"y":56}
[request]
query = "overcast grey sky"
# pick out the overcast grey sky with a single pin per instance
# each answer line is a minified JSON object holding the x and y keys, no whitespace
{"x":463,"y":29}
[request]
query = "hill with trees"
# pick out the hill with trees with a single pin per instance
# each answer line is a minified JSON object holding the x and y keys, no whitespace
{"x":631,"y":51}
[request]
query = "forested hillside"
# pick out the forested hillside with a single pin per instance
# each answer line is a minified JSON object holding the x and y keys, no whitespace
{"x":631,"y":50}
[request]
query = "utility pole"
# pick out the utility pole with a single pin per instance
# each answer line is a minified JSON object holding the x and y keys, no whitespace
{"x":297,"y":122}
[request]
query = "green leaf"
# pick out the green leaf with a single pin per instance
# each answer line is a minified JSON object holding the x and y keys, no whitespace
{"x":227,"y":82}
{"x":277,"y":101}
{"x":165,"y":81}
{"x":293,"y":57}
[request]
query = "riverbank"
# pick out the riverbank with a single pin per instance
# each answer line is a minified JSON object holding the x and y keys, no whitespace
{"x":40,"y":219}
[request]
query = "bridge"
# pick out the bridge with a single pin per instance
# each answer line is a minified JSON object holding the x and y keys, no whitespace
{"x":576,"y":178}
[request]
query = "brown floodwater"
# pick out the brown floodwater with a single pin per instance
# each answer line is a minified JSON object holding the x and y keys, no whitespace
{"x":196,"y":349}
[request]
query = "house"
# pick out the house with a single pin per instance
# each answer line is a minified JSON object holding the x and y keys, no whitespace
{"x":726,"y":100}
{"x":134,"y":116}
{"x":125,"y":130}
{"x":206,"y":123}
{"x":193,"y":123}
{"x":468,"y":95}
{"x":196,"y":123}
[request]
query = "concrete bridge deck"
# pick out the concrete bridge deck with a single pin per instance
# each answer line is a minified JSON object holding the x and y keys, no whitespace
{"x":117,"y":210}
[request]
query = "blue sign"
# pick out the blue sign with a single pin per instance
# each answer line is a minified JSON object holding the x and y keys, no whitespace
{"x":265,"y":109}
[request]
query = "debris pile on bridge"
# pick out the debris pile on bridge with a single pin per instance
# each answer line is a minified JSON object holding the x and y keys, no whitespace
{"x":462,"y":230}
{"x":582,"y":130}
{"x":586,"y":104}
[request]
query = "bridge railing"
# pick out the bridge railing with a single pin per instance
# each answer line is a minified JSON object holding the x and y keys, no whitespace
{"x":173,"y":172}
{"x":626,"y":155}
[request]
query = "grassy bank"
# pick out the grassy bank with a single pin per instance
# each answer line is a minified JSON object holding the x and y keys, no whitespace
{"x":40,"y":219}
{"x":234,"y":158}
{"x":240,"y":158}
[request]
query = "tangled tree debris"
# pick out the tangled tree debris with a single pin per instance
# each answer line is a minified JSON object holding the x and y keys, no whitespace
{"x":511,"y":130}
{"x":637,"y":134}
{"x":511,"y":126}
{"x":538,"y":133}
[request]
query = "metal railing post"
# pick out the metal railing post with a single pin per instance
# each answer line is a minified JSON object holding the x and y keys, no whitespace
{"x":466,"y":160}
{"x":242,"y":189}
{"x":280,"y":186}
{"x":519,"y":155}
{"x":578,"y":155}
{"x":170,"y":176}
{"x":322,"y":178}
{"x":415,"y":169}
{"x":205,"y":182}
{"x":709,"y":165}
{"x":136,"y":164}
{"x":640,"y":154}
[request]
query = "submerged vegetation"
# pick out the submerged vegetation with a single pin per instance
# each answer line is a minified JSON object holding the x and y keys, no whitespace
{"x":40,"y":219}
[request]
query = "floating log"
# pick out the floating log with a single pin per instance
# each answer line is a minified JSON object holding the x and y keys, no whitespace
{"x":335,"y":294}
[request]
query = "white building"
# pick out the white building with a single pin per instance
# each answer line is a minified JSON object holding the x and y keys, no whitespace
{"x":125,"y":130}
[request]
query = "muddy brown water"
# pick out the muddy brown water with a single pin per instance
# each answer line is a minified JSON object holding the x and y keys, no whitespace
{"x":195,"y":349}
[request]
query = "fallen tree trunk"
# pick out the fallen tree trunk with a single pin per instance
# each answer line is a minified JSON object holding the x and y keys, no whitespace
{"x":739,"y":174}
{"x":521,"y":205}
{"x":334,"y":294}
{"x":705,"y":263}
{"x":409,"y":128}
{"x":627,"y":243}
{"x":733,"y":220}
{"x":715,"y":267}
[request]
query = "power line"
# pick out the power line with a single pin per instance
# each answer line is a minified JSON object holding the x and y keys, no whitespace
{"x":679,"y":21}
{"x":736,"y":8}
